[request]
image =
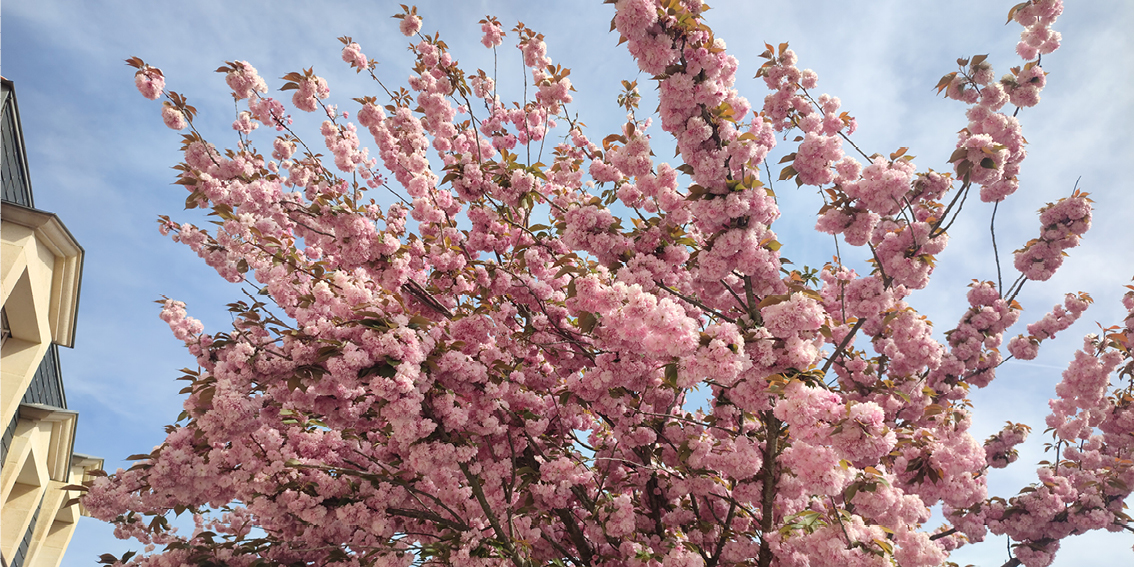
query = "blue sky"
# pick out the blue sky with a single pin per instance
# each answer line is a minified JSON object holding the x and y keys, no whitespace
{"x":100,"y":158}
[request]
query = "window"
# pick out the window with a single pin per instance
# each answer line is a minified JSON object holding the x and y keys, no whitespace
{"x":5,"y":330}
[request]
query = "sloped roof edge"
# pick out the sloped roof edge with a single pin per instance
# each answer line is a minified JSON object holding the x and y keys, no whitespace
{"x":9,"y":89}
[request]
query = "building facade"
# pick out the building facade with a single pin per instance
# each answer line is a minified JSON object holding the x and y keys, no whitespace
{"x":41,"y":267}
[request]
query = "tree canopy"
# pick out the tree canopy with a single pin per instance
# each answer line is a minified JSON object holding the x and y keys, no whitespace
{"x":501,"y":364}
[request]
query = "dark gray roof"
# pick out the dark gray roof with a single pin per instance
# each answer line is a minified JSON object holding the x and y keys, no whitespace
{"x":14,"y":167}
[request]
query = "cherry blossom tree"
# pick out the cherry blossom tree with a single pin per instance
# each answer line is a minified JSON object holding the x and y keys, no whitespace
{"x":500,"y":364}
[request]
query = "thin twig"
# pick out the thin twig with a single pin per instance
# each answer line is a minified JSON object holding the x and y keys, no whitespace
{"x":696,"y":303}
{"x":995,"y":252}
{"x":945,"y":533}
{"x":842,"y":345}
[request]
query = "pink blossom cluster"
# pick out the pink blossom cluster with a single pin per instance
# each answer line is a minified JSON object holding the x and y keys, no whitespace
{"x":657,"y":327}
{"x":353,"y":54}
{"x":223,"y":260}
{"x":1090,"y":478}
{"x":1080,"y":405}
{"x":791,"y":106}
{"x":493,"y":33}
{"x":828,"y":544}
{"x":535,"y":53}
{"x":847,"y":296}
{"x":908,"y":343}
{"x":698,"y":104}
{"x":886,"y":204}
{"x":991,"y":148}
{"x":311,"y":89}
{"x":410,"y":25}
{"x":882,"y":186}
{"x":173,"y":117}
{"x":797,"y":314}
{"x":856,"y":225}
{"x":638,"y":22}
{"x":1000,"y":449}
{"x":244,"y":81}
{"x":150,"y":82}
{"x":593,"y":229}
{"x":863,"y":436}
{"x":815,"y":156}
{"x":1038,"y":38}
{"x":722,"y":360}
{"x":1061,"y":226}
{"x":1082,"y":491}
{"x":905,"y":251}
{"x":1024,"y":88}
{"x":1059,"y":318}
{"x":482,"y":86}
{"x":269,"y":111}
{"x":343,"y":143}
{"x":244,"y":123}
{"x":185,"y":328}
{"x":785,"y":80}
{"x":553,"y":91}
{"x":974,"y":344}
{"x":940,"y":467}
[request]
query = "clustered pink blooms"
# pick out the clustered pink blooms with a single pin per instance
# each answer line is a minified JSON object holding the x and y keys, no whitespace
{"x":410,"y":22}
{"x":1085,"y":486}
{"x":493,"y":33}
{"x":244,"y":81}
{"x":311,"y":89}
{"x":150,"y":82}
{"x":244,"y":123}
{"x":1061,"y":226}
{"x":352,"y":54}
{"x":495,"y":369}
{"x":410,"y":26}
{"x":269,"y":111}
{"x":1000,"y":449}
{"x":1037,"y":38}
{"x":173,"y":117}
{"x":991,"y":147}
{"x":1059,"y":318}
{"x":974,"y":343}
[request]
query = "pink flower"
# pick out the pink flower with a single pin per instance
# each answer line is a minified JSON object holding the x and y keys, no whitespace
{"x":173,"y":117}
{"x":352,"y":54}
{"x":1023,"y":348}
{"x":493,"y":34}
{"x":535,"y":53}
{"x":244,"y":123}
{"x":410,"y":25}
{"x":150,"y":82}
{"x":799,"y":313}
{"x":244,"y":80}
{"x":1000,"y":448}
{"x":282,"y":149}
{"x":310,"y":89}
{"x":1063,"y":223}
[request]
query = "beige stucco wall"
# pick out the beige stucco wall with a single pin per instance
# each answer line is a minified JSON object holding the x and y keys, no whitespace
{"x":40,"y":269}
